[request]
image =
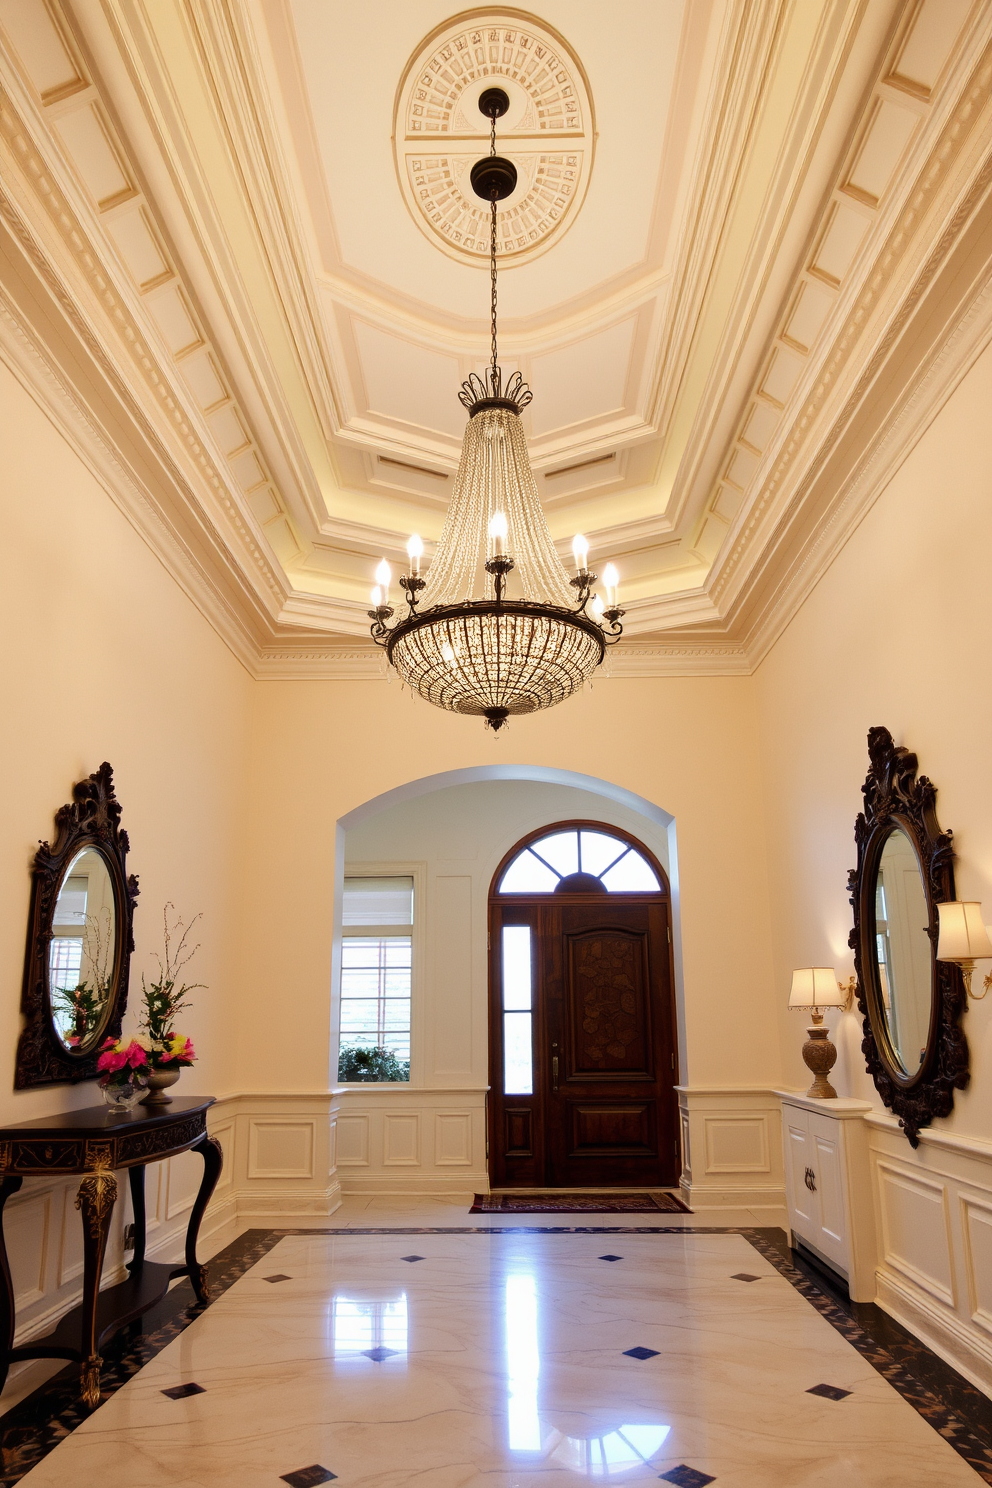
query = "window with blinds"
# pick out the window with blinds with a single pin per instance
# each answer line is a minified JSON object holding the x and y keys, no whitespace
{"x":376,"y":979}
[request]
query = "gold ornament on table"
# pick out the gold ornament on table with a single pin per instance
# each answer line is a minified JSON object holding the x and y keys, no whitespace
{"x":815,"y":988}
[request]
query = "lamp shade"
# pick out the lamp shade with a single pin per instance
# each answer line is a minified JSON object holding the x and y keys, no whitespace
{"x":816,"y":986}
{"x":963,"y":936}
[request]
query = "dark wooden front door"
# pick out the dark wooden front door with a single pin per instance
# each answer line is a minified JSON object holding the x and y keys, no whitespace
{"x":601,"y":1109}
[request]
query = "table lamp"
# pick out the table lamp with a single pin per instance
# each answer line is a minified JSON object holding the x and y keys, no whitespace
{"x":817,"y":987}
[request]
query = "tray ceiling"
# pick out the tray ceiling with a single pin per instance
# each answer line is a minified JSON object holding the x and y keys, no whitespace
{"x":248,"y":292}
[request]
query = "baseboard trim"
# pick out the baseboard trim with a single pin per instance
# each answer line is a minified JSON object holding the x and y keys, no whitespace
{"x":700,"y":1197}
{"x":951,"y":1339}
{"x":288,"y":1202}
{"x":432,"y":1183}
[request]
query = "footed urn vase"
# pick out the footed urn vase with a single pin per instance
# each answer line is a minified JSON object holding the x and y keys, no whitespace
{"x":158,"y":1083}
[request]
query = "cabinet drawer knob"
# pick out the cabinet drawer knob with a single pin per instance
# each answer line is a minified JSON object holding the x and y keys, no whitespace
{"x":810,"y":1180}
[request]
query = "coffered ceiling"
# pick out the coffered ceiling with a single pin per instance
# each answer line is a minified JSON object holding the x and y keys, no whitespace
{"x":747,"y":259}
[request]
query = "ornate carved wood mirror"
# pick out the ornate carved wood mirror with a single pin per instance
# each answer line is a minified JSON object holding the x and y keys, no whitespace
{"x":79,"y":939}
{"x":914,"y":1046}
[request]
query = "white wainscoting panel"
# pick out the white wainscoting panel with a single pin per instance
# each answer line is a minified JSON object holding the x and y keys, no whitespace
{"x":736,"y":1144}
{"x":453,"y":1139}
{"x":278,"y":1148}
{"x":353,"y":1140}
{"x":915,"y":1227}
{"x":934,"y":1212}
{"x":976,"y":1228}
{"x":731,"y":1147}
{"x":403,"y":1139}
{"x":28,"y":1229}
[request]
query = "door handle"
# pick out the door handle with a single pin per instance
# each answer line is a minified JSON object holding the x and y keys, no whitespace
{"x":554,"y":1074}
{"x":810,"y":1180}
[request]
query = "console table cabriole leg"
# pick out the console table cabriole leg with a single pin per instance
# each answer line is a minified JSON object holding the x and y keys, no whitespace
{"x":136,"y":1179}
{"x":213,"y":1160}
{"x":95,"y":1201}
{"x":8,"y":1186}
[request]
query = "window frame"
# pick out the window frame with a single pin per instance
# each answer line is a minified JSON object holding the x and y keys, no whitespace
{"x":418,"y":872}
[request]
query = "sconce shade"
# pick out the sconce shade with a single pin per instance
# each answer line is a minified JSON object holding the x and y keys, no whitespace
{"x":963,"y":936}
{"x":816,"y":986}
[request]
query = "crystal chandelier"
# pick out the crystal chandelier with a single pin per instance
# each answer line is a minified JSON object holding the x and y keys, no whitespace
{"x":464,"y":643}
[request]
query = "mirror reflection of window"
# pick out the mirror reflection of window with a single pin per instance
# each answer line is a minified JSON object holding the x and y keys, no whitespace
{"x":81,"y":951}
{"x":361,"y":1325}
{"x":532,"y":1432}
{"x":905,"y":953}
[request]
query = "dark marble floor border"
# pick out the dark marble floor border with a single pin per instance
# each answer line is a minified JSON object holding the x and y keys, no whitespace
{"x":957,"y":1411}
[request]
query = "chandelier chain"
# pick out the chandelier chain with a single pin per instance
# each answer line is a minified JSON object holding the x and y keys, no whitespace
{"x":492,"y":245}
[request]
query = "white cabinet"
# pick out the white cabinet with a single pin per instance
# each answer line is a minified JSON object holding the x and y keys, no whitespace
{"x":828,"y":1186}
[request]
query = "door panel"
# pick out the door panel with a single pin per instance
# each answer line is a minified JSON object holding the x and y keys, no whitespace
{"x":607,"y":1003}
{"x":601,"y":1111}
{"x":612,"y":1129}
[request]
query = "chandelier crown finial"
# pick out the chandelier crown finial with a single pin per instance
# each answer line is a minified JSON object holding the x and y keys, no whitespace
{"x":487,"y":391}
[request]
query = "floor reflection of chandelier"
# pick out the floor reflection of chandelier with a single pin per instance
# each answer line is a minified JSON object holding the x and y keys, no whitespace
{"x":465,"y":643}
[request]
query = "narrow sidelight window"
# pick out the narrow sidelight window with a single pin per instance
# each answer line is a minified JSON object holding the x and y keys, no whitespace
{"x":518,"y":1057}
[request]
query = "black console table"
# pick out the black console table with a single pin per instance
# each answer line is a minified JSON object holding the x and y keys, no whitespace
{"x":95,"y":1142}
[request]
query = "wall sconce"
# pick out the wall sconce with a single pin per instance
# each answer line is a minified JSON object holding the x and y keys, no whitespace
{"x":963,"y":940}
{"x":816,"y":988}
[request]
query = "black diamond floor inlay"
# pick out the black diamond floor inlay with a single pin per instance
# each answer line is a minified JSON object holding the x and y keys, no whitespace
{"x":640,"y":1353}
{"x":378,"y":1354}
{"x":179,"y":1392}
{"x":413,"y":1258}
{"x":309,"y":1477}
{"x":611,"y":1258}
{"x":280,"y":1277}
{"x":744,"y":1276}
{"x":687,"y":1477}
{"x":829,"y":1392}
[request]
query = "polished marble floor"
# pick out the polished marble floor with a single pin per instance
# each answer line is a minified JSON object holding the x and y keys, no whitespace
{"x":508,"y":1357}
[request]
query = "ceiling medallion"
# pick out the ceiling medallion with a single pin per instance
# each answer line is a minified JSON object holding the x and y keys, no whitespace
{"x":465,"y":643}
{"x":548,"y":128}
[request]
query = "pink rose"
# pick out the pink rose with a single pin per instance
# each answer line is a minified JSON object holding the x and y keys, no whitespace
{"x":135,"y":1055}
{"x":189,"y":1053}
{"x":112,"y":1060}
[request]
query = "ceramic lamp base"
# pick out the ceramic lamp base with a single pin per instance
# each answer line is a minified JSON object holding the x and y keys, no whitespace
{"x":820,"y":1056}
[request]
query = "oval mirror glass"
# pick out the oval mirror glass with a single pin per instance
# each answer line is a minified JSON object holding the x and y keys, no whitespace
{"x":904,"y":951}
{"x":82,"y":952}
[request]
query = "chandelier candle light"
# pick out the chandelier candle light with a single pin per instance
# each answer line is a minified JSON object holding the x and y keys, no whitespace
{"x":464,"y":644}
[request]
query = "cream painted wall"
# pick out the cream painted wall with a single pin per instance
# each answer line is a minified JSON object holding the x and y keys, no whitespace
{"x":458,"y":836}
{"x":898,"y":632}
{"x":106,"y":659}
{"x":322,"y":749}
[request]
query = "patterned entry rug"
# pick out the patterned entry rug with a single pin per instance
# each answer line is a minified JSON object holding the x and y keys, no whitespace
{"x":578,"y":1203}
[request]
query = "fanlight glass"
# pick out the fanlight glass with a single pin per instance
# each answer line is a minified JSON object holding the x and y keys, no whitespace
{"x":545,"y":866}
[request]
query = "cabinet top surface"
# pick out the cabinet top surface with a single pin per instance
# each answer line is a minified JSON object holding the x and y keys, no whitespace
{"x":101,"y":1120}
{"x":840,"y":1107}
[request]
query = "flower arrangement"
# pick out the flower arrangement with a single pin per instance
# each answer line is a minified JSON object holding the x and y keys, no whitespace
{"x":168,"y":996}
{"x":124,"y":1061}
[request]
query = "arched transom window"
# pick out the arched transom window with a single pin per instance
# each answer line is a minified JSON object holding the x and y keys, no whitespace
{"x":579,"y":861}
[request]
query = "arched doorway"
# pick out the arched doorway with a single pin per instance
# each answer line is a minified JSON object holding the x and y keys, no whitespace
{"x":583,"y":1046}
